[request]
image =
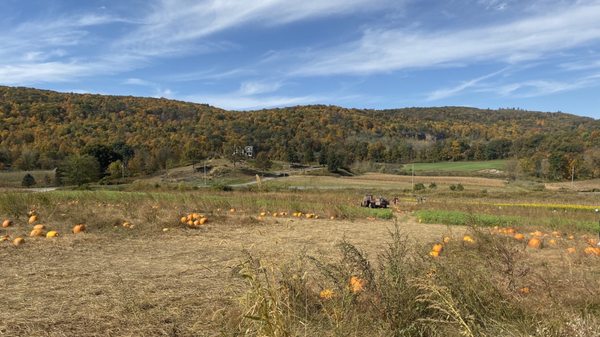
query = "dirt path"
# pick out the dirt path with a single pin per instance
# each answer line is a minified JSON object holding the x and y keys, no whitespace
{"x":171,"y":283}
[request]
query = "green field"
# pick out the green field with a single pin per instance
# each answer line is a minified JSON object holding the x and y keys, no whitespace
{"x":464,"y":166}
{"x":43,"y":178}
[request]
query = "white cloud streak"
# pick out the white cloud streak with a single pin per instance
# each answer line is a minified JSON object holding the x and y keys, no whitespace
{"x":172,"y":23}
{"x":448,"y":92}
{"x":381,"y":51}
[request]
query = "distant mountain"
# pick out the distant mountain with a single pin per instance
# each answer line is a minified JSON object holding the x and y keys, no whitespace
{"x":40,"y":128}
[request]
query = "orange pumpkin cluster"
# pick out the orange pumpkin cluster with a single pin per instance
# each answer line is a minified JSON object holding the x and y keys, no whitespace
{"x":194,"y":220}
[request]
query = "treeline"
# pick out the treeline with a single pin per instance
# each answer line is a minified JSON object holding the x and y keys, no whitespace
{"x":41,"y":129}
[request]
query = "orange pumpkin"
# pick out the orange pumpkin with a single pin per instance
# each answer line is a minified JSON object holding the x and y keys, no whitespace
{"x":438,"y":247}
{"x":33,"y":219}
{"x":434,"y":253}
{"x":78,"y":228}
{"x":18,"y":241}
{"x":357,"y":284}
{"x":202,"y":221}
{"x":534,"y":243}
{"x":36,"y":233}
{"x":592,"y":251}
{"x":468,"y":239}
{"x":571,"y":250}
{"x":7,"y":223}
{"x":40,"y":226}
{"x":519,"y":237}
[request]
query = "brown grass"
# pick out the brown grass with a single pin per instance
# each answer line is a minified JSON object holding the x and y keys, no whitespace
{"x":113,"y":281}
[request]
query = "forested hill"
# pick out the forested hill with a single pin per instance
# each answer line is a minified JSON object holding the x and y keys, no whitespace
{"x":39,"y":129}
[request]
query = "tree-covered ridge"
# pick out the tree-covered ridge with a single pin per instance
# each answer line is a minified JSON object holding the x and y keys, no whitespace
{"x":39,"y":129}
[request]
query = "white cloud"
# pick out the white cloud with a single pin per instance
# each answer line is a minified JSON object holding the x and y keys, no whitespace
{"x":535,"y":88}
{"x":236,"y":101}
{"x":535,"y":37}
{"x":138,"y":81}
{"x":171,"y":24}
{"x":448,"y":92}
{"x":258,"y":87}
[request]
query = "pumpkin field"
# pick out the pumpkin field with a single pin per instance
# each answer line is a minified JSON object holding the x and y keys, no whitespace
{"x":281,"y":262}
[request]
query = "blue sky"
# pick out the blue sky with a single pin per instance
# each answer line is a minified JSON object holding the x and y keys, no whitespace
{"x":538,"y":55}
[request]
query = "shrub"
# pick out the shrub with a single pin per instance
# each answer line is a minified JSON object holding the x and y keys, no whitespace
{"x":28,"y":180}
{"x":419,"y":187}
{"x":433,"y":185}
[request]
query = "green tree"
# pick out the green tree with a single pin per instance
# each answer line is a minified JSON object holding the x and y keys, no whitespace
{"x":262,"y":161}
{"x":81,"y":169}
{"x":28,"y":180}
{"x":103,"y":154}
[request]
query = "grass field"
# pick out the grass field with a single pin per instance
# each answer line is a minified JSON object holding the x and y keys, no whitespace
{"x":248,"y":272}
{"x":463,"y":167}
{"x":12,"y":179}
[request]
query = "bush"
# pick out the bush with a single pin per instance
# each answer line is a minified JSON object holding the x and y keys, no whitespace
{"x":433,"y":185}
{"x":419,"y":187}
{"x":28,"y":180}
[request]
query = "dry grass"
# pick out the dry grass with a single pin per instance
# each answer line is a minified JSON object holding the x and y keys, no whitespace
{"x":113,"y":281}
{"x":582,"y":185}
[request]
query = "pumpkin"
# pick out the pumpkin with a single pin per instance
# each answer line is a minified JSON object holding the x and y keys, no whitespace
{"x":447,"y":239}
{"x":183,"y":219}
{"x":232,"y":210}
{"x":78,"y":228}
{"x":552,"y":242}
{"x":33,"y":219}
{"x":40,"y":226}
{"x":357,"y":284}
{"x":36,"y":232}
{"x":571,"y":237}
{"x":51,"y":234}
{"x":534,"y":243}
{"x":519,"y":237}
{"x":556,"y":234}
{"x":202,"y":221}
{"x":438,"y":247}
{"x":7,"y":223}
{"x":571,"y":250}
{"x":18,"y":241}
{"x":434,"y":253}
{"x":468,"y":239}
{"x":525,"y":290}
{"x":265,"y":213}
{"x":326,"y":294}
{"x":126,"y":224}
{"x":537,"y":233}
{"x":592,"y":251}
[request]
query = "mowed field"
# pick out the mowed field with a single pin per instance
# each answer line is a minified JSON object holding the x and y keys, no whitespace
{"x":379,"y":181}
{"x":162,"y":278}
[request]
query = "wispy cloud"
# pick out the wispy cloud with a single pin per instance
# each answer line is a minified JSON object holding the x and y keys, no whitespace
{"x":536,"y":88}
{"x":235,"y":101}
{"x":172,"y":23}
{"x":250,"y":88}
{"x":386,"y":50}
{"x":448,"y":92}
